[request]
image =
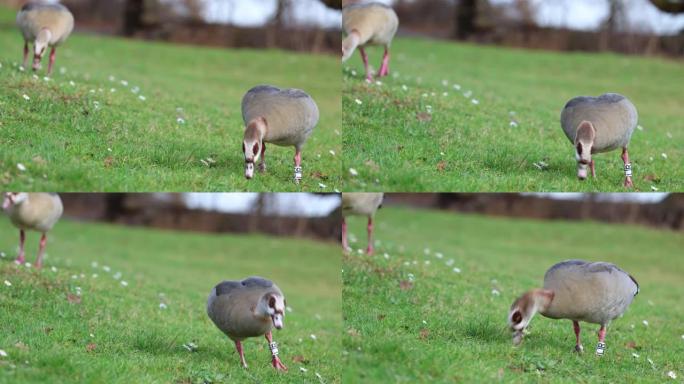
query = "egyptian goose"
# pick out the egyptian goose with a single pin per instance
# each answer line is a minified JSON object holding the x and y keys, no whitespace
{"x":599,"y":124}
{"x":248,"y":308}
{"x":285,"y":117}
{"x":45,"y":25}
{"x":33,"y":211}
{"x":579,"y":291}
{"x":360,"y":204}
{"x":369,"y":24}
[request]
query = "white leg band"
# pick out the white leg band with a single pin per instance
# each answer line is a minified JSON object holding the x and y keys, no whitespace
{"x":600,"y":348}
{"x":628,"y":170}
{"x":298,"y":173}
{"x":274,"y":348}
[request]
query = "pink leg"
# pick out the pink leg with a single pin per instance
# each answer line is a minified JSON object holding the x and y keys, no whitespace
{"x":22,"y":239}
{"x":277,"y":364}
{"x":593,"y":171}
{"x":26,"y":53}
{"x":52,"y":60}
{"x":628,"y":168}
{"x":369,"y":250}
{"x":384,"y":68}
{"x":364,"y":57}
{"x":41,"y":251}
{"x":262,"y":163}
{"x":238,"y":346}
{"x":601,"y":347}
{"x":345,"y":244}
{"x":298,"y":166}
{"x":578,"y":344}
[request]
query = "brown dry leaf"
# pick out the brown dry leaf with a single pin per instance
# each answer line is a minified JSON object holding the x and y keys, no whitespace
{"x":423,"y":116}
{"x":441,"y":166}
{"x":372,"y":165}
{"x":73,"y":299}
{"x":424,"y":333}
{"x":108,"y":161}
{"x":400,"y":148}
{"x":381,"y":317}
{"x":39,"y":160}
{"x":319,"y":175}
{"x":631,"y":345}
{"x":299,"y":359}
{"x":353,"y":332}
{"x":21,"y":346}
{"x":405,"y":285}
{"x":6,"y":178}
{"x":652,"y":178}
{"x":48,"y":330}
{"x":91,"y":347}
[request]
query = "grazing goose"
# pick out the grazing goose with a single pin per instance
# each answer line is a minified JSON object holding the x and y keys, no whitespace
{"x":33,"y":211}
{"x":248,"y":308}
{"x":579,"y":291}
{"x":599,"y":124}
{"x":368,"y":24}
{"x":284,"y":117}
{"x":45,"y":25}
{"x":360,"y":204}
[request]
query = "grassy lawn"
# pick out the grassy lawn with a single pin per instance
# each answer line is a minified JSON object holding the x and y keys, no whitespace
{"x":418,"y":132}
{"x":409,"y":317}
{"x":119,"y":334}
{"x":81,"y":131}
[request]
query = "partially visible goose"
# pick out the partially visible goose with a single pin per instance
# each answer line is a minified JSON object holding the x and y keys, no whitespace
{"x":248,"y":308}
{"x":33,"y":211}
{"x":45,"y":25}
{"x":284,"y":117}
{"x":576,"y":290}
{"x":360,"y":204}
{"x":369,"y":24}
{"x":599,"y":124}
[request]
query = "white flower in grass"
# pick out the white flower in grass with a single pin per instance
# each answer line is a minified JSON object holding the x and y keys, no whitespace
{"x":35,"y":77}
{"x":3,"y":353}
{"x":135,"y":90}
{"x":21,"y":167}
{"x":457,"y":87}
{"x":124,"y":83}
{"x":74,"y":277}
{"x":404,"y":87}
{"x":635,"y":355}
{"x":142,"y":98}
{"x":424,"y":322}
{"x":302,"y":369}
{"x":7,"y":283}
{"x":26,"y":97}
{"x":94,"y":275}
{"x":639,"y":127}
{"x":94,"y":264}
{"x":180,"y":120}
{"x":124,"y":283}
{"x":427,"y":262}
{"x":513,"y":124}
{"x":117,"y":276}
{"x":91,"y":335}
{"x":426,"y":251}
{"x":322,"y":186}
{"x":27,"y":265}
{"x":112,"y":90}
{"x":162,"y":306}
{"x":664,"y":155}
{"x":672,"y":375}
{"x":204,"y":162}
{"x":331,"y":152}
{"x":53,"y":269}
{"x":645,"y":322}
{"x":71,"y":82}
{"x":289,"y":309}
{"x":45,"y":78}
{"x":312,"y":336}
{"x":386,"y":256}
{"x":106,"y":268}
{"x":495,"y":292}
{"x":449,"y":262}
{"x":654,"y":188}
{"x":457,"y":270}
{"x":378,"y":83}
{"x":21,"y":68}
{"x":353,"y":172}
{"x":475,"y":101}
{"x":411,"y":277}
{"x":112,"y":78}
{"x":2,"y":254}
{"x":62,"y":70}
{"x":682,"y":337}
{"x":439,"y":255}
{"x":353,"y":72}
{"x":357,"y":101}
{"x":467,"y":94}
{"x":319,"y":376}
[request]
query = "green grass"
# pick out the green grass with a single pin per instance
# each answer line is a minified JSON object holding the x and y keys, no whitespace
{"x":67,"y":143}
{"x":119,"y":334}
{"x":449,"y":327}
{"x":395,"y":143}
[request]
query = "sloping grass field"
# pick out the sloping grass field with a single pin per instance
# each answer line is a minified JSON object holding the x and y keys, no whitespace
{"x":129,"y":115}
{"x":461,"y":117}
{"x":98,"y":316}
{"x":431,"y":305}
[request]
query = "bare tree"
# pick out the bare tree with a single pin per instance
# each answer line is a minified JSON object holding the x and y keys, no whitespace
{"x":465,"y":17}
{"x":133,"y":16}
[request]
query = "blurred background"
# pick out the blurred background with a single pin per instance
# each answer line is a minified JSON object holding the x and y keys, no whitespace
{"x":626,"y":26}
{"x":659,"y":210}
{"x":315,"y":216}
{"x":302,"y":25}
